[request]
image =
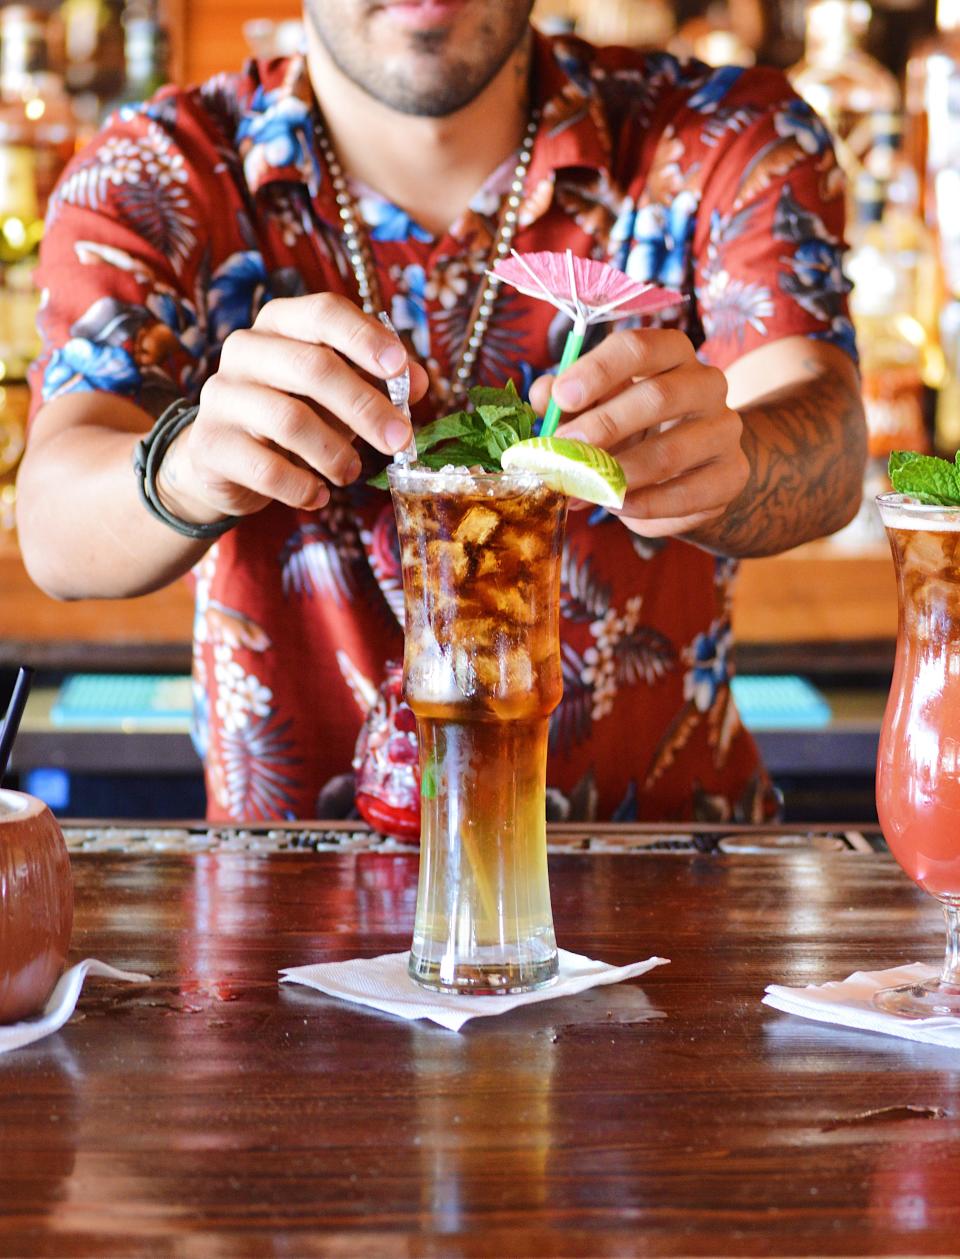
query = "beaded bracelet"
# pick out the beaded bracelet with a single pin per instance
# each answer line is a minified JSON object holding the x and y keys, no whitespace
{"x":148,"y":455}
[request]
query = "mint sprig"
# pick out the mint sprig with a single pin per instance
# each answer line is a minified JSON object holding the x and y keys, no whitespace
{"x":496,"y":420}
{"x":926,"y":478}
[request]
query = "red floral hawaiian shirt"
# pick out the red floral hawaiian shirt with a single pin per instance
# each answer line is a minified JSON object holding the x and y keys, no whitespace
{"x":190,"y":212}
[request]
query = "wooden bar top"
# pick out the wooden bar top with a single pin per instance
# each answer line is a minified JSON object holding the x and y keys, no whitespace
{"x":213,"y":1112}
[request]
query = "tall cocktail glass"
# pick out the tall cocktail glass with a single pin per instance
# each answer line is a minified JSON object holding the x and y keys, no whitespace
{"x":918,"y":770}
{"x":481,"y":577}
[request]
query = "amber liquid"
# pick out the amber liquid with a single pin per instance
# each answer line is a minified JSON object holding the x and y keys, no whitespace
{"x":482,"y":675}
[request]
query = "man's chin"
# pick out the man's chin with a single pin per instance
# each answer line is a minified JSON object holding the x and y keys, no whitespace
{"x":440,"y":102}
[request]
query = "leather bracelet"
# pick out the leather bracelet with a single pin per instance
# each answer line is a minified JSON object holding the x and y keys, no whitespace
{"x":147,"y":457}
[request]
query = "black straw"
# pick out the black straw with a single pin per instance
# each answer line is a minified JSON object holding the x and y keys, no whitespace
{"x":11,"y":722}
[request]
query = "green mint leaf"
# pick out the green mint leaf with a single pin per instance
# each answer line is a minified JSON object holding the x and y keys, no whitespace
{"x":493,"y":415}
{"x":501,"y":435}
{"x":460,"y":454}
{"x":498,"y":420}
{"x":925,"y":477}
{"x":484,"y":396}
{"x":461,"y":424}
{"x":379,"y":482}
{"x":526,"y":418}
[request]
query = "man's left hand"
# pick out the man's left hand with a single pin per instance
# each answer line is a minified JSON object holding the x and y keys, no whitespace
{"x":644,"y":396}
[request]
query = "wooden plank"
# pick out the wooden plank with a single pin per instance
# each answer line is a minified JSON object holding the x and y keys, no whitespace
{"x":30,"y":616}
{"x":208,"y":36}
{"x":816,"y":593}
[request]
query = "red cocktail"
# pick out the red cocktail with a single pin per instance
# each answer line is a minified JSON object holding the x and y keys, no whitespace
{"x":918,"y":770}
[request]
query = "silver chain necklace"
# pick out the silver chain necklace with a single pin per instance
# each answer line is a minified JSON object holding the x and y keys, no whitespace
{"x":361,"y":260}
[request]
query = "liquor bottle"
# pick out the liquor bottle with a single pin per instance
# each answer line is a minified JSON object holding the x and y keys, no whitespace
{"x":889,"y":178}
{"x":933,"y":115}
{"x":933,"y":111}
{"x":146,"y":55}
{"x":93,"y":44}
{"x":37,"y":139}
{"x":892,"y":264}
{"x":726,"y":34}
{"x":647,"y":25}
{"x":842,"y":82}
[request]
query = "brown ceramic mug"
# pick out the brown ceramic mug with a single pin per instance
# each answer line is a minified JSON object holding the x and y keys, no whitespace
{"x":36,"y":905}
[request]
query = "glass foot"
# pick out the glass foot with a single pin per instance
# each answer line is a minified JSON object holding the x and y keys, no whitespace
{"x":933,"y":999}
{"x":493,"y":979}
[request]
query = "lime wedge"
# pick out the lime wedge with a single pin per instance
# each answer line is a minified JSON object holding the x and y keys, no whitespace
{"x":571,"y":467}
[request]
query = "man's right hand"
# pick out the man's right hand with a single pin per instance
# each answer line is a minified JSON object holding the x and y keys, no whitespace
{"x":278,"y":420}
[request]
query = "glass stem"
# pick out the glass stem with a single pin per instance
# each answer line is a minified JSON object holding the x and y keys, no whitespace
{"x":951,"y":962}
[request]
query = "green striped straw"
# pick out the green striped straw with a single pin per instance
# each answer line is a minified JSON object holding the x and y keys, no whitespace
{"x":571,"y":352}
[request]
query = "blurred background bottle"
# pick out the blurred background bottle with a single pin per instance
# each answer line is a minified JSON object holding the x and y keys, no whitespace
{"x":841,"y":81}
{"x":37,"y":138}
{"x":36,"y":141}
{"x":146,"y":54}
{"x":933,"y":112}
{"x":892,"y":263}
{"x":92,"y":35}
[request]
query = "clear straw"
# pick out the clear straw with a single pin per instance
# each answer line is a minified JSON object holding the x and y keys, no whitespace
{"x":398,"y":387}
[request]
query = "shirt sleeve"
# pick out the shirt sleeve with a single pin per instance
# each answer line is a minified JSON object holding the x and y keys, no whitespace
{"x":120,"y":263}
{"x":768,"y":244}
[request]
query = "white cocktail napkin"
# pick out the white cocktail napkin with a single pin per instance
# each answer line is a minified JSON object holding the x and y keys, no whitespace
{"x":383,"y":983}
{"x":850,"y":1003}
{"x":62,"y":1003}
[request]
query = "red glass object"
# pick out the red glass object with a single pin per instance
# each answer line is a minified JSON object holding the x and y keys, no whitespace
{"x":36,"y":905}
{"x":387,"y":762}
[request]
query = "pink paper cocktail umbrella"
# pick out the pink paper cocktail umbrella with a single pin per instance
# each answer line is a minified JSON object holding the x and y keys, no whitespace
{"x":587,"y":292}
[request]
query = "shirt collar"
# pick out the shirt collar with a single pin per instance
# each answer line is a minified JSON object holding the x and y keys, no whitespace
{"x":276,"y":137}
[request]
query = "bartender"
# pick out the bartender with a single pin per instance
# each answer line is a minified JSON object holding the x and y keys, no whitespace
{"x":227,"y":249}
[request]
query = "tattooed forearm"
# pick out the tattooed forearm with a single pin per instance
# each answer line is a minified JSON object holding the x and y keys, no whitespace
{"x":806,"y":449}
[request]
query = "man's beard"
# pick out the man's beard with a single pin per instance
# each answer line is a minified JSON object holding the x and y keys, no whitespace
{"x":457,"y":77}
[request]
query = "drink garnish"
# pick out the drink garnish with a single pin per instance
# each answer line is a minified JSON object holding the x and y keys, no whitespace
{"x":570,"y":467}
{"x":930,"y":480}
{"x":497,"y":419}
{"x":588,"y":292}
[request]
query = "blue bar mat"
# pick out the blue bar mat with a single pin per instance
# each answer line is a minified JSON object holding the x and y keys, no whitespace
{"x":109,"y":701}
{"x":780,"y":702}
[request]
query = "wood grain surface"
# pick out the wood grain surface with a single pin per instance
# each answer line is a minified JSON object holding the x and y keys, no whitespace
{"x":212,"y":1113}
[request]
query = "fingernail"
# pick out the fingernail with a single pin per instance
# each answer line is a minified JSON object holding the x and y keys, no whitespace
{"x":569,"y":394}
{"x":352,"y":469}
{"x":392,"y":357}
{"x":397,"y":434}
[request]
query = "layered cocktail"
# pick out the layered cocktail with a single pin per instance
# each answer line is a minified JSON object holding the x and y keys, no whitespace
{"x":481,"y":559}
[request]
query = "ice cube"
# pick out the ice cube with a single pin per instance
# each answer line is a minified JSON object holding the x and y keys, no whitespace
{"x":486,"y":666}
{"x":515,"y":603}
{"x":465,"y":671}
{"x":516,"y":670}
{"x":430,"y":675}
{"x":446,"y":559}
{"x":924,"y":550}
{"x":476,"y":526}
{"x":528,"y":546}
